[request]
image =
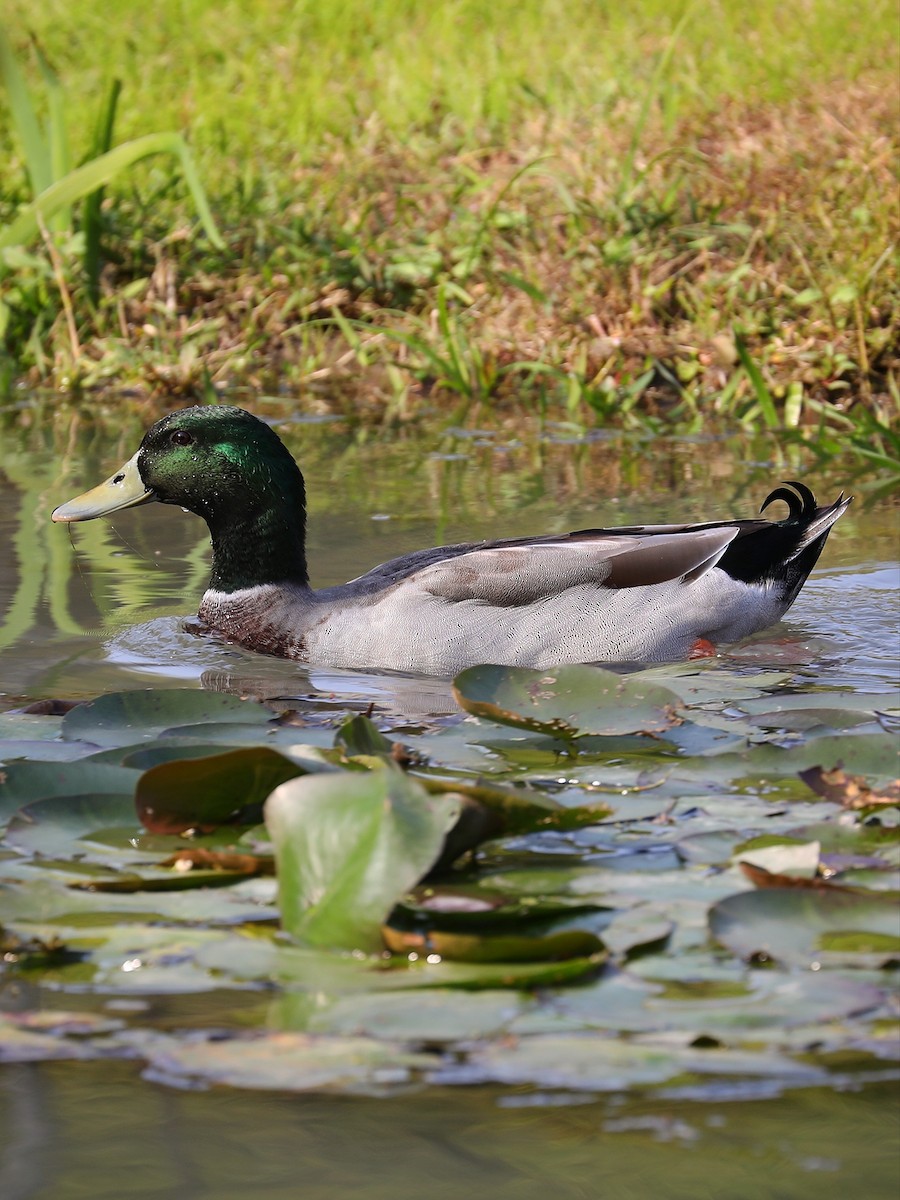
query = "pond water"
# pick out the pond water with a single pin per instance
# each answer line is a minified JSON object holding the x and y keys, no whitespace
{"x":101,"y":608}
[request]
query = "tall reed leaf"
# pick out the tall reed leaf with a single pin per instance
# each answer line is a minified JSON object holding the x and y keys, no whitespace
{"x":91,"y":222}
{"x":762,"y":393}
{"x":25,"y":121}
{"x":86,"y":179}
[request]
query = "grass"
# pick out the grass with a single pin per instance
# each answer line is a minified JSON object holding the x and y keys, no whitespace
{"x":628,"y":214}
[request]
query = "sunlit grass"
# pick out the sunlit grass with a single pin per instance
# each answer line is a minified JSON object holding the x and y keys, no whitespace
{"x":638,"y":213}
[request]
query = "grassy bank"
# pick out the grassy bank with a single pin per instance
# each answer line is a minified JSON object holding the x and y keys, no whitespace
{"x":646,"y":217}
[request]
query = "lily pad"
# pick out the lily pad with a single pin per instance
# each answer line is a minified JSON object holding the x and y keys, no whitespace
{"x":290,"y":1062}
{"x":61,"y":827}
{"x":24,"y":782}
{"x":503,"y":948}
{"x":433,"y":1017}
{"x":120,"y":718}
{"x":597,"y":1064}
{"x":798,"y":927}
{"x":202,"y":793}
{"x":328,"y":972}
{"x":566,"y":702}
{"x":348,"y":846}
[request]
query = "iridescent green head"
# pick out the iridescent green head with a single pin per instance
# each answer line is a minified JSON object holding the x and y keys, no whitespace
{"x":231,"y":469}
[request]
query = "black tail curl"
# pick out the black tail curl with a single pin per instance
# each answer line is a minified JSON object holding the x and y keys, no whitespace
{"x":782,"y":553}
{"x":801,"y":502}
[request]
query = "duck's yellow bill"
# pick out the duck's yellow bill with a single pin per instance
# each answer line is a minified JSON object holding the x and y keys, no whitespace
{"x":125,"y":489}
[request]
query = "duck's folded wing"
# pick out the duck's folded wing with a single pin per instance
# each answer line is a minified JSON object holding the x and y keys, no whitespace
{"x":523,"y":574}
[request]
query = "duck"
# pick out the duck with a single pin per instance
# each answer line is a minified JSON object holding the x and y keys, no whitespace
{"x":638,"y":593}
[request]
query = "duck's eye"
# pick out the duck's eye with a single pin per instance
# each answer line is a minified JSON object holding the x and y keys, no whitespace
{"x":180,"y":437}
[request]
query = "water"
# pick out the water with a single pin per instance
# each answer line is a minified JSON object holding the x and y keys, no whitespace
{"x":88,"y":1132}
{"x":102,"y":607}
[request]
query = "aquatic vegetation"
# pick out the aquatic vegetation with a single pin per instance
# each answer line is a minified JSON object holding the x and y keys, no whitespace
{"x":625,"y":905}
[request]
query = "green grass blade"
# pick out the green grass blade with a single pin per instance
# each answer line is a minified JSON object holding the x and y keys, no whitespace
{"x":91,"y":221}
{"x":60,"y":156}
{"x":762,"y":393}
{"x":100,"y":171}
{"x":24,"y":118}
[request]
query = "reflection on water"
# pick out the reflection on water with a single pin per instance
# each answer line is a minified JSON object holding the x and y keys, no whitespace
{"x":100,"y":606}
{"x":78,"y":1130}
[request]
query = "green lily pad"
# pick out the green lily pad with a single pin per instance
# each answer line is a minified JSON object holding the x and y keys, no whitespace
{"x":736,"y":1010}
{"x":121,"y":718}
{"x":466,"y":907}
{"x":24,"y":782}
{"x":202,"y":793}
{"x":27,"y":726}
{"x":435,"y":1017}
{"x":348,"y":846}
{"x":798,"y":927}
{"x":521,"y":810}
{"x":592,"y":1063}
{"x":42,"y":751}
{"x":21,"y":1043}
{"x":567,"y":701}
{"x":699,"y":683}
{"x":358,"y":735}
{"x":638,"y":928}
{"x":335,"y":973}
{"x":61,"y":826}
{"x":493,"y":948}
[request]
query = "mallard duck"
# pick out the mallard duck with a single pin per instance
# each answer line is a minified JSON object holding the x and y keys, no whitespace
{"x":642,"y":593}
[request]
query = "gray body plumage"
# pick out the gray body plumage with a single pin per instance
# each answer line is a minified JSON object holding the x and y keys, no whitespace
{"x":643,"y":593}
{"x":532,"y":604}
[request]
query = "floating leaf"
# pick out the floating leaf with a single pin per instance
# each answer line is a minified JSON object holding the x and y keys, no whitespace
{"x":120,"y":718}
{"x":43,"y":751}
{"x":498,"y":948}
{"x":24,"y":782}
{"x":735,"y":1008}
{"x":310,"y":969}
{"x":519,"y":810}
{"x":62,"y":826}
{"x":436,"y":1016}
{"x":599,"y":1064}
{"x":788,"y":924}
{"x":220,"y":860}
{"x":567,"y":701}
{"x":470,"y":906}
{"x":639,"y":928}
{"x":21,"y":1044}
{"x":203,"y":793}
{"x":358,"y":735}
{"x":162,"y":751}
{"x":348,"y":846}
{"x":290,"y":1062}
